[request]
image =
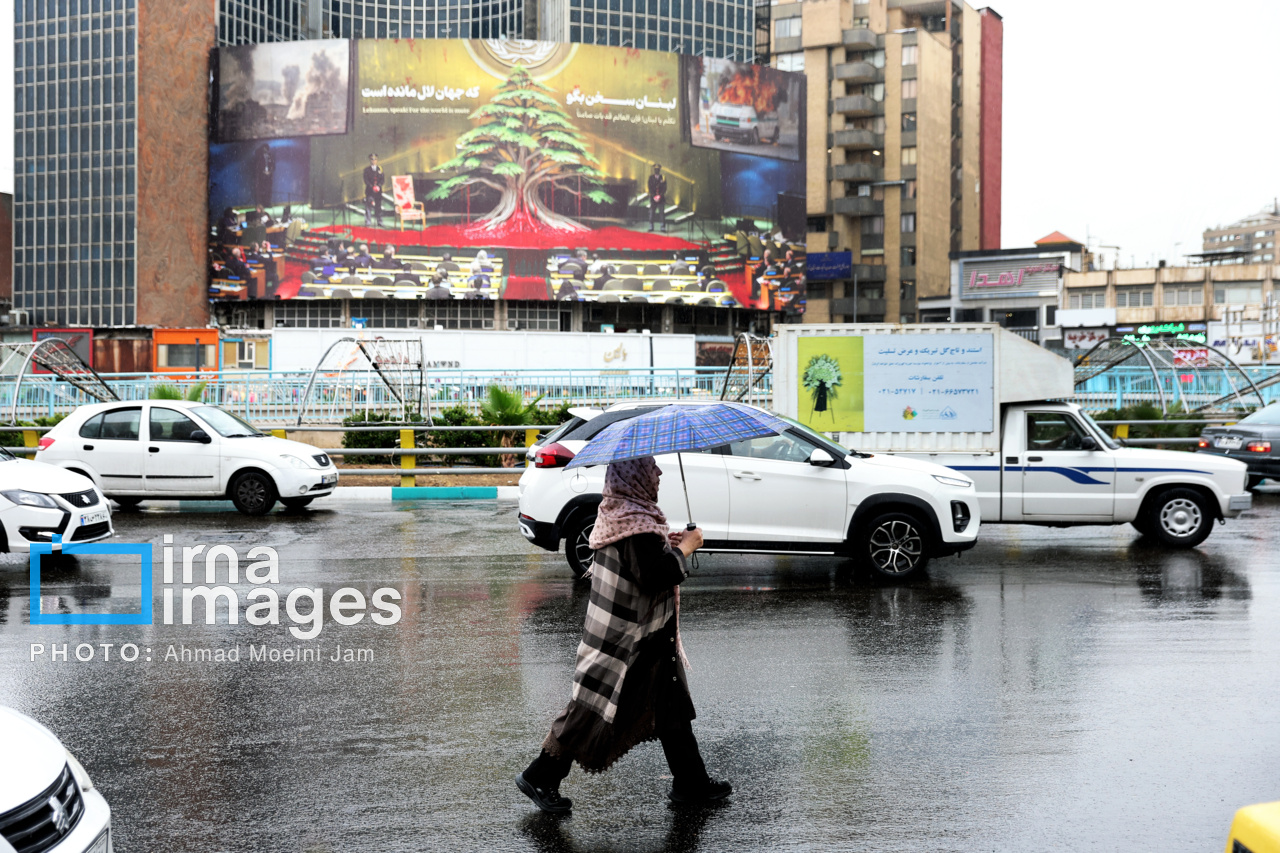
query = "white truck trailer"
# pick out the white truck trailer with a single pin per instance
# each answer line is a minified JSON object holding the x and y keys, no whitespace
{"x":981,"y":400}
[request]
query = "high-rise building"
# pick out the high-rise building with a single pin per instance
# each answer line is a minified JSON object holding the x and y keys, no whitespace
{"x":426,"y":19}
{"x":903,"y":144}
{"x":1248,"y":240}
{"x":717,"y":28}
{"x":257,"y":21}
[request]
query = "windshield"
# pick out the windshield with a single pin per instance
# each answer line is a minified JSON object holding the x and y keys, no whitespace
{"x":6,"y":456}
{"x":815,"y":437}
{"x":226,"y":424}
{"x":1099,"y":431}
{"x":1270,"y":416}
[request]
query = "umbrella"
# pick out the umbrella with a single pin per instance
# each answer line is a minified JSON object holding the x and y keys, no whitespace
{"x":677,"y":429}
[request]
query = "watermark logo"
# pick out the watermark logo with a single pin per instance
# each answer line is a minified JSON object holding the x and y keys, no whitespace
{"x":142,"y":552}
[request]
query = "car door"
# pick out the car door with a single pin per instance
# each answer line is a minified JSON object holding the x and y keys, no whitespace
{"x":110,"y":443}
{"x":708,"y":484}
{"x":175,"y":461}
{"x":1061,"y":476}
{"x":775,"y":495}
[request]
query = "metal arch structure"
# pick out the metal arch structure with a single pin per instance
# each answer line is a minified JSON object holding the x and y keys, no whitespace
{"x":399,"y":364}
{"x":751,"y":364}
{"x":55,"y":355}
{"x":1163,"y":360}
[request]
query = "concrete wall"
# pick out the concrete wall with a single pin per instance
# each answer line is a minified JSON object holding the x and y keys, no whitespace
{"x":933,"y":174}
{"x":971,"y":130}
{"x":174,"y":40}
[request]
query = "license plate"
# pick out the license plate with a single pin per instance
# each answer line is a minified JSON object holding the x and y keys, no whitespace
{"x":94,"y":517}
{"x":1228,"y":442}
{"x":328,"y":479}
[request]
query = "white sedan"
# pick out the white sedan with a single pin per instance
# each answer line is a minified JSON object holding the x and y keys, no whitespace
{"x":47,"y":801}
{"x":171,"y":450}
{"x":39,"y":500}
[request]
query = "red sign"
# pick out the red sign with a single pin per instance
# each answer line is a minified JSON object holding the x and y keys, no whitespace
{"x":1198,"y":357}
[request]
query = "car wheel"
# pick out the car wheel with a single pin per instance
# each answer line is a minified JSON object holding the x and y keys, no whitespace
{"x":895,"y":544}
{"x":128,"y":504}
{"x":295,"y":503}
{"x":1179,"y":518}
{"x":577,"y":550}
{"x":1140,"y":525}
{"x":755,"y":136}
{"x":1253,"y":482}
{"x":253,"y":493}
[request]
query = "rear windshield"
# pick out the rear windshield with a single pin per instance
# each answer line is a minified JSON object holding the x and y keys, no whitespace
{"x":559,"y":431}
{"x":590,"y":429}
{"x":1270,"y":416}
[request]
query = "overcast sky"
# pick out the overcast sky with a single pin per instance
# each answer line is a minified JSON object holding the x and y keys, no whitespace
{"x":1126,"y":122}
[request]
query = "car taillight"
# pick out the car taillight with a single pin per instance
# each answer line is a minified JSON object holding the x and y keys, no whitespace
{"x":1203,"y":443}
{"x":46,"y":442}
{"x":554,"y":455}
{"x":1259,"y":446}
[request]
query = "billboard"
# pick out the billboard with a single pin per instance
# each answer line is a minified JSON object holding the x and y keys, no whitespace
{"x":739,"y":106}
{"x":997,"y":278}
{"x":497,"y":169}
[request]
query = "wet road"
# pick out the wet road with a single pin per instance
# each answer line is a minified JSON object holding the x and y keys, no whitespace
{"x":1052,"y":690}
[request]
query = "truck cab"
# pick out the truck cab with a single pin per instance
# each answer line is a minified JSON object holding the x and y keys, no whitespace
{"x":1056,"y":467}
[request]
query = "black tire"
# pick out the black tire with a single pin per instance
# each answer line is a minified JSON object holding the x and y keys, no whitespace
{"x":576,"y":550}
{"x":1253,"y":482}
{"x":1178,"y":518}
{"x":128,"y":504}
{"x":253,"y":493}
{"x":755,"y":136}
{"x":1140,"y":525}
{"x":895,"y":545}
{"x":295,"y":503}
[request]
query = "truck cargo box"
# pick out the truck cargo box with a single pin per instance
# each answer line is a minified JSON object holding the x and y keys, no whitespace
{"x":918,"y":388}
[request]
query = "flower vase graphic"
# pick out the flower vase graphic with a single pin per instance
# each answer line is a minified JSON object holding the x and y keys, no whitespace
{"x":821,"y":379}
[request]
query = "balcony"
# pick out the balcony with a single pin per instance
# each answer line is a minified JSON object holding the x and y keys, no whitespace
{"x":859,"y":139}
{"x":870,"y":272}
{"x":858,"y":206}
{"x":860,"y":39}
{"x":855,"y":105}
{"x":857,"y":72}
{"x":861,"y":307}
{"x":857,"y":172}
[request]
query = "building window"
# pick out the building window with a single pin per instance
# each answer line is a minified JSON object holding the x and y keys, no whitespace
{"x":908,"y":223}
{"x":910,"y":54}
{"x":873,"y":225}
{"x":908,"y":256}
{"x":909,"y":122}
{"x":816,"y":224}
{"x":1237,"y":294}
{"x":909,"y":155}
{"x":876,"y":58}
{"x":791,"y":61}
{"x":787,"y":28}
{"x":874,"y":91}
{"x":1183,"y":295}
{"x":909,"y":189}
{"x":909,"y":88}
{"x":907,"y":291}
{"x":1135,"y":297}
{"x":1087,"y":298}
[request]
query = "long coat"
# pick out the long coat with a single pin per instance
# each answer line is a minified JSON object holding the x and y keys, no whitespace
{"x":629,"y":685}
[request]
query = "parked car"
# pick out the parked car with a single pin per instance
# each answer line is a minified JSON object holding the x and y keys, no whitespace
{"x":1255,"y":441}
{"x":795,"y":493}
{"x":47,"y":800}
{"x":39,"y":500}
{"x":170,"y":450}
{"x":741,"y":123}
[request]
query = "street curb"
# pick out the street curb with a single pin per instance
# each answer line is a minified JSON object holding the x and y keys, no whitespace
{"x":428,"y":493}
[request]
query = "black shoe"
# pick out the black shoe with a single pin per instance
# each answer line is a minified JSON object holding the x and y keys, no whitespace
{"x":549,"y":801}
{"x":709,"y":792}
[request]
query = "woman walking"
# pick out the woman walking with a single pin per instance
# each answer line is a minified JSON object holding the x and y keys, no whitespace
{"x":629,"y":684}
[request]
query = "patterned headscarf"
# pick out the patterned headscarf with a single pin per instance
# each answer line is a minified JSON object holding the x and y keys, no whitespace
{"x":630,"y":504}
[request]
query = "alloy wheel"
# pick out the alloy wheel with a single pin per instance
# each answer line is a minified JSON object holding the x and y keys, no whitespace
{"x":895,"y":546}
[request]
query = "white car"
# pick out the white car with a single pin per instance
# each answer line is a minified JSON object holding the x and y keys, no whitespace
{"x":170,"y":450}
{"x":741,"y":123}
{"x":795,"y":493}
{"x":47,"y":801}
{"x":39,"y":500}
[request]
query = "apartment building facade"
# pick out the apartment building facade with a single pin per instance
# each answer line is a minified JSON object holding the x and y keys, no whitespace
{"x":904,"y":155}
{"x":1251,"y":240}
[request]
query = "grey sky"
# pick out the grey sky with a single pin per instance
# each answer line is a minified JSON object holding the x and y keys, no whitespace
{"x":1132,"y":122}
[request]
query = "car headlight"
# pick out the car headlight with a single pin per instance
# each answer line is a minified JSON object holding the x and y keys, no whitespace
{"x":953,"y":481}
{"x":25,"y":498}
{"x":294,"y":461}
{"x":78,"y":771}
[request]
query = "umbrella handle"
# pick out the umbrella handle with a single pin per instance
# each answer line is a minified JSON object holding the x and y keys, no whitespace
{"x":690,"y":525}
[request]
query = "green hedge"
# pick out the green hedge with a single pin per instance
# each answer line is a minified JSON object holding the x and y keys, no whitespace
{"x":13,"y":437}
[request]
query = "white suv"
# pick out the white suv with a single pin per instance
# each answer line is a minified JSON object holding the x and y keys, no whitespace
{"x":795,"y":493}
{"x":171,"y":450}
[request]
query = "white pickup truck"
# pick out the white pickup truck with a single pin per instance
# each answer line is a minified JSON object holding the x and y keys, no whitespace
{"x":977,"y":399}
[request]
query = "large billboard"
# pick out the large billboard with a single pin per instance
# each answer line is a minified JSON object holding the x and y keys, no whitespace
{"x":487,"y":169}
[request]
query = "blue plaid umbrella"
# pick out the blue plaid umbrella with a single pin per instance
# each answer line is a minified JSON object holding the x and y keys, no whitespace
{"x":678,"y":429}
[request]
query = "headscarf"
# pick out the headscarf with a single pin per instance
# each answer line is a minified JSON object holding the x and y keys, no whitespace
{"x":630,"y":504}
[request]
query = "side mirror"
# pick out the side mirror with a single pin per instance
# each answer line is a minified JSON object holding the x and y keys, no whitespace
{"x":200,"y":436}
{"x":821,"y":457}
{"x":1088,"y":443}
